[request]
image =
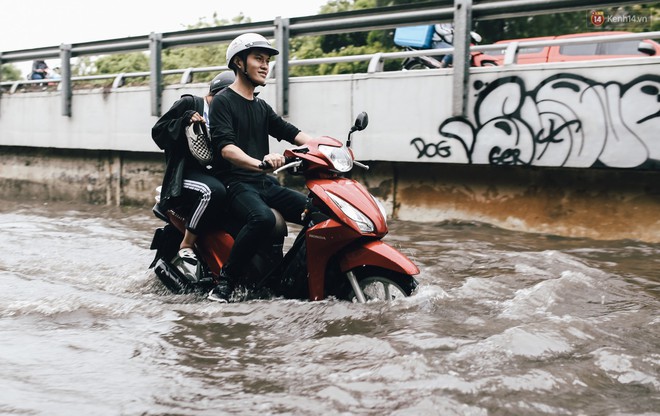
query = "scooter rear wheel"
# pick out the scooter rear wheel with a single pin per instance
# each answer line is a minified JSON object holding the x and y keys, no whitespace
{"x":414,"y":65}
{"x":382,"y":285}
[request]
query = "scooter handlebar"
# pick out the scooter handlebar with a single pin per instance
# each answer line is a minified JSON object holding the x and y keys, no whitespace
{"x":288,"y":162}
{"x":361,"y":165}
{"x":293,"y":162}
{"x":264,"y":165}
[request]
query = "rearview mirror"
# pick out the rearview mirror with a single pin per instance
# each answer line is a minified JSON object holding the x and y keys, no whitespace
{"x":646,"y":48}
{"x":361,"y":121}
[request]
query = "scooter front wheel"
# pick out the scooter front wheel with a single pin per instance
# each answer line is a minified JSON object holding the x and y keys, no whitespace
{"x":379,"y":284}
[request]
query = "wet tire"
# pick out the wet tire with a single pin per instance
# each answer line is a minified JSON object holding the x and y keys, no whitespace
{"x":489,"y":63}
{"x":382,"y":285}
{"x":414,"y":65}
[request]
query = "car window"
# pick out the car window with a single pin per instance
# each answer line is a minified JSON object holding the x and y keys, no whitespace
{"x":522,"y":50}
{"x":619,"y":48}
{"x":577,"y":50}
{"x":530,"y":50}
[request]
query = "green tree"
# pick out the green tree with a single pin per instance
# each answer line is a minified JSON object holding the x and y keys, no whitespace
{"x":9,"y":72}
{"x":200,"y":56}
{"x":343,"y":44}
{"x":175,"y":58}
{"x":555,"y":24}
{"x":128,"y":62}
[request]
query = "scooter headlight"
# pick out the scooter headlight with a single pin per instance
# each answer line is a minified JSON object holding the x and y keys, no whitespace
{"x":339,"y":157}
{"x":364,"y":224}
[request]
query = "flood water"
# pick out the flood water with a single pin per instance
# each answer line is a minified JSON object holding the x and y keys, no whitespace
{"x":503,"y":323}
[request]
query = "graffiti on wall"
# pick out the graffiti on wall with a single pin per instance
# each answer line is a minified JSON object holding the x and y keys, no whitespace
{"x":566,"y":120}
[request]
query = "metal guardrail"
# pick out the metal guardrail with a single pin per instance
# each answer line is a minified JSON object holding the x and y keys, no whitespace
{"x":461,"y":12}
{"x":119,"y":80}
{"x":376,"y":60}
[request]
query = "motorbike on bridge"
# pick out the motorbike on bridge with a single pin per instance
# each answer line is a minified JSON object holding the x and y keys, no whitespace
{"x":436,"y":36}
{"x":338,"y":253}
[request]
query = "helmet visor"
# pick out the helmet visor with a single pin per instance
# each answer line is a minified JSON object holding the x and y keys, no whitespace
{"x":262,"y":44}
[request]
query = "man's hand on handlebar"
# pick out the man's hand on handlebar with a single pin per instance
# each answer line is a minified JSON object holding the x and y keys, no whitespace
{"x":272,"y":161}
{"x":288,"y":163}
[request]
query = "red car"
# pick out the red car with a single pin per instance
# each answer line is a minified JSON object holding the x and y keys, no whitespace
{"x":580,"y":52}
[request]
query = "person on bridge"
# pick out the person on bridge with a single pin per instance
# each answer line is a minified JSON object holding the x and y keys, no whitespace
{"x":39,"y":69}
{"x":240,"y":126}
{"x":186,"y":182}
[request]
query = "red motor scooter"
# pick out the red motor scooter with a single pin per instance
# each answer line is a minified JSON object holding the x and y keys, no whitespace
{"x":338,"y":253}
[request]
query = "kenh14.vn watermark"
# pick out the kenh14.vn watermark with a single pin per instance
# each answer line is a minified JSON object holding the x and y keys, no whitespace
{"x":599,"y":18}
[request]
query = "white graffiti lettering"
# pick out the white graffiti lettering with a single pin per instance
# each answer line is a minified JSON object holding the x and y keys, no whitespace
{"x":566,"y":120}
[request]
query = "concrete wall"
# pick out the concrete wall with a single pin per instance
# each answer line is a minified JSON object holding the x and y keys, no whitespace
{"x":594,"y":203}
{"x":92,"y":176}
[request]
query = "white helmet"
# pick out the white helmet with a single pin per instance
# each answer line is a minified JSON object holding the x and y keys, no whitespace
{"x":248,"y":41}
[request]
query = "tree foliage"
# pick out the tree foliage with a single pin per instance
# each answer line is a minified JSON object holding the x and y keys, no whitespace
{"x":343,"y":44}
{"x":174,"y":58}
{"x":564,"y":23}
{"x":9,"y":72}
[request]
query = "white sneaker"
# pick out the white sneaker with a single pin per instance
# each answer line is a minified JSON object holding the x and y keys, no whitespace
{"x":186,"y":262}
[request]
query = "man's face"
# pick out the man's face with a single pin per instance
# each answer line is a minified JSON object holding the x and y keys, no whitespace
{"x":257,"y":65}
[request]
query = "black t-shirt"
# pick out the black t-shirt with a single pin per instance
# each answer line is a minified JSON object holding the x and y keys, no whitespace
{"x":246,"y":124}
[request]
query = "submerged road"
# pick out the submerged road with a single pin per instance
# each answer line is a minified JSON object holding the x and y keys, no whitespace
{"x":503,"y":323}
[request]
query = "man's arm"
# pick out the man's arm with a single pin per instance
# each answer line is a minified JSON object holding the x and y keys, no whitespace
{"x":302,"y":138}
{"x":237,"y":157}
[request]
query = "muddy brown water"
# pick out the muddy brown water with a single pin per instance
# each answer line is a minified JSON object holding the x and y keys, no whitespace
{"x":503,"y":323}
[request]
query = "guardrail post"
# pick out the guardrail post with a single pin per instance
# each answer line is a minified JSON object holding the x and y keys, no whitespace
{"x":462,"y":27}
{"x":0,"y":80}
{"x":186,"y":77}
{"x":376,"y":63}
{"x":511,"y":54}
{"x":282,"y":66}
{"x":118,"y":82}
{"x":66,"y":86}
{"x":155,"y":67}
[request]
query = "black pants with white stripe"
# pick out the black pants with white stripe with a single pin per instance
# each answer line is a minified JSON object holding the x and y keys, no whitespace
{"x":206,"y":197}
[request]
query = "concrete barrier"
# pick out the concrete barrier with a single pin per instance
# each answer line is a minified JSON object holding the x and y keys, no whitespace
{"x":593,"y":203}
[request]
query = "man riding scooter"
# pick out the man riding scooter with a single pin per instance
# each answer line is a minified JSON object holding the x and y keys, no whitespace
{"x":240,"y":126}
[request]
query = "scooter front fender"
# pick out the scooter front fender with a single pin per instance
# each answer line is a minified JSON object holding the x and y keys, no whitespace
{"x":377,"y":253}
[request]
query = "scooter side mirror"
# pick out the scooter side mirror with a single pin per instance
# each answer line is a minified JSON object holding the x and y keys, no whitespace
{"x":361,"y":122}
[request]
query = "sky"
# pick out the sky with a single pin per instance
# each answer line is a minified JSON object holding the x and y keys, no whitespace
{"x":42,"y":23}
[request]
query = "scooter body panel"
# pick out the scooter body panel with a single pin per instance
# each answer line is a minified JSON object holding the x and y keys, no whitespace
{"x":323,"y":241}
{"x":354,"y":193}
{"x":215,"y":248}
{"x":326,"y":239}
{"x":376,"y":253}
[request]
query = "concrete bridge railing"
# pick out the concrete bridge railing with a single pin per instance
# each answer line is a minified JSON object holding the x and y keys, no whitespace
{"x":575,"y":115}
